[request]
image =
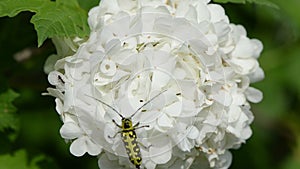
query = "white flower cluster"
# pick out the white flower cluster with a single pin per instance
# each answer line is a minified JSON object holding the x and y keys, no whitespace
{"x":138,"y":48}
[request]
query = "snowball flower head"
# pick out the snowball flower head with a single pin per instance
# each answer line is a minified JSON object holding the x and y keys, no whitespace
{"x":185,"y":52}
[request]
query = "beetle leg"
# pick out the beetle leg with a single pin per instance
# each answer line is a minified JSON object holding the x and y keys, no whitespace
{"x":141,"y":126}
{"x":145,"y":147}
{"x":116,"y":123}
{"x":115,"y":134}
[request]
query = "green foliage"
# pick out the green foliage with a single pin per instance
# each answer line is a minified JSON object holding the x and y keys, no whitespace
{"x":19,"y":160}
{"x":290,"y":15}
{"x":275,"y":141}
{"x":88,"y":4}
{"x":8,"y":118}
{"x":260,"y":2}
{"x":62,"y":18}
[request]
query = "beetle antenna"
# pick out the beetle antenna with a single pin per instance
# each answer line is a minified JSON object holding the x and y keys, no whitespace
{"x":106,"y":105}
{"x":147,"y":103}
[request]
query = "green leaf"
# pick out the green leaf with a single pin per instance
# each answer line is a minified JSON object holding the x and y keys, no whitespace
{"x":289,"y":16}
{"x":62,"y":18}
{"x":292,"y":68}
{"x":8,"y":118}
{"x":19,"y":160}
{"x":88,"y":4}
{"x":264,"y":2}
{"x":232,"y":1}
{"x":260,"y":2}
{"x":293,"y":160}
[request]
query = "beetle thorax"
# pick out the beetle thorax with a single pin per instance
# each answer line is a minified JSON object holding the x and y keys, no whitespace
{"x":126,"y":123}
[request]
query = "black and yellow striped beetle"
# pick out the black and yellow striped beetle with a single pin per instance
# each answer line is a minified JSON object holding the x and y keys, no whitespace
{"x":128,"y":134}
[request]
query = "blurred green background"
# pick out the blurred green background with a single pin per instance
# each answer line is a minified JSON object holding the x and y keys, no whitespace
{"x":276,"y":130}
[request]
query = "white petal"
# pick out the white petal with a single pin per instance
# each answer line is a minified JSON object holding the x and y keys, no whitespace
{"x":78,"y":147}
{"x":244,"y":66}
{"x":225,"y":160}
{"x":188,"y":162}
{"x":150,"y":164}
{"x":54,"y":92}
{"x":74,"y":60}
{"x":105,"y":163}
{"x":193,"y":132}
{"x":126,"y":4}
{"x":203,"y":12}
{"x":185,"y":145}
{"x":56,"y":78}
{"x":234,"y":113}
{"x":223,"y":98}
{"x":254,"y":95}
{"x":217,"y":13}
{"x":93,"y":17}
{"x":100,"y":81}
{"x":70,"y":131}
{"x":222,"y":29}
{"x":205,"y":130}
{"x":257,"y":76}
{"x":188,"y":108}
{"x":243,"y":49}
{"x":233,"y":131}
{"x":59,"y":106}
{"x":201,"y":97}
{"x":200,"y":46}
{"x":92,"y":148}
{"x":191,"y":14}
{"x":258,"y":47}
{"x":159,"y":79}
{"x":165,"y":121}
{"x":112,"y":47}
{"x":187,"y":87}
{"x":160,"y":155}
{"x":109,"y":132}
{"x":238,"y":31}
{"x":174,"y":109}
{"x":161,"y":150}
{"x":212,"y":38}
{"x":179,"y":73}
{"x":246,"y":133}
{"x":149,"y":117}
{"x":239,"y":99}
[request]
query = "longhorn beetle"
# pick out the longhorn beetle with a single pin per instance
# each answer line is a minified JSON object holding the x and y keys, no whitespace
{"x":128,"y":134}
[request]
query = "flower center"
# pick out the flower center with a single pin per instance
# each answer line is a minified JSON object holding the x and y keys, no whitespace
{"x":108,"y":67}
